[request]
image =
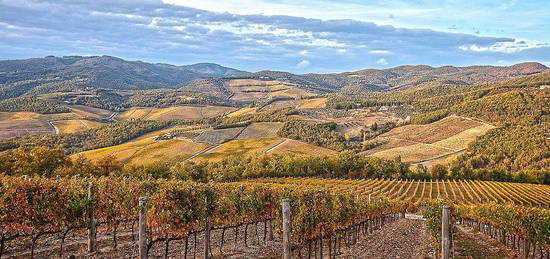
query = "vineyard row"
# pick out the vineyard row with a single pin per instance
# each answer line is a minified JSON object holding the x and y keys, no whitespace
{"x":465,"y":192}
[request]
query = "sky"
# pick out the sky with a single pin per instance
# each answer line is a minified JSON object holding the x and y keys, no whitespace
{"x":299,"y":36}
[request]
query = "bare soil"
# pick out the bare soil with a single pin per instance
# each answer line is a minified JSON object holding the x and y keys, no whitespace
{"x":403,"y":238}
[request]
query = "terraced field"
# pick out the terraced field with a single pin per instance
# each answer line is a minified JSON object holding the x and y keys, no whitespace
{"x":86,"y":111}
{"x":16,"y":116}
{"x":71,"y":126}
{"x":219,"y":135}
{"x":242,"y":111}
{"x":261,"y":130}
{"x":314,"y":103}
{"x":299,"y":147}
{"x":280,"y":104}
{"x":460,"y":191}
{"x":249,"y":90}
{"x":18,"y":128}
{"x":148,"y":151}
{"x":239,"y":147}
{"x":18,"y":124}
{"x":431,"y":142}
{"x":175,"y":113}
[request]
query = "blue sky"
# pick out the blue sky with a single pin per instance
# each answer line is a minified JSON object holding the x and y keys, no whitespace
{"x":300,"y":36}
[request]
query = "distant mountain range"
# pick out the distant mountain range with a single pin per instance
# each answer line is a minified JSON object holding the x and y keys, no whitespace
{"x":404,"y":77}
{"x":40,"y":75}
{"x":51,"y":74}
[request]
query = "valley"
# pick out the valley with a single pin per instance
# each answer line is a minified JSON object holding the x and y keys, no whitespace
{"x":419,"y":122}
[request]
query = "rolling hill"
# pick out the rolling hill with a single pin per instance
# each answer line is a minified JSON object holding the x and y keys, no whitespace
{"x":406,"y":77}
{"x":50,"y":74}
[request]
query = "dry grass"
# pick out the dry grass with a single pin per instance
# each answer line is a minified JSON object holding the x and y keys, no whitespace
{"x":86,"y":111}
{"x":433,"y":132}
{"x":249,"y":90}
{"x":148,"y":151}
{"x":247,"y":97}
{"x":261,"y":130}
{"x":299,"y":147}
{"x":251,"y":82}
{"x":437,"y":142}
{"x":5,"y":116}
{"x":92,"y":124}
{"x":218,"y":136}
{"x":242,"y":111}
{"x":192,"y":112}
{"x":166,"y":151}
{"x":388,"y":144}
{"x":134,"y":113}
{"x":282,"y":104}
{"x":175,"y":112}
{"x":446,"y":160}
{"x":157,"y":112}
{"x":16,"y":116}
{"x":18,"y":126}
{"x":314,"y":103}
{"x":240,"y":147}
{"x":70,"y":126}
{"x":293,"y":93}
{"x":121,"y":152}
{"x":462,"y":139}
{"x":30,"y":125}
{"x":413,"y":153}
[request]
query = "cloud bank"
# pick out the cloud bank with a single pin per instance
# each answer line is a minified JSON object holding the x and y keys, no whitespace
{"x":154,"y":31}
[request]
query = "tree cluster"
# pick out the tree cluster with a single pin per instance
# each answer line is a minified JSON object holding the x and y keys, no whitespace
{"x":320,"y":134}
{"x":32,"y":104}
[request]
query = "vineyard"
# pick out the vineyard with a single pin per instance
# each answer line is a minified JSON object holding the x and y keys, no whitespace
{"x":188,"y":218}
{"x":463,"y":192}
{"x":49,"y":209}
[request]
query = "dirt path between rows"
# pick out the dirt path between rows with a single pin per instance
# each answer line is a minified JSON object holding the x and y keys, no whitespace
{"x":404,"y":238}
{"x":472,"y":244}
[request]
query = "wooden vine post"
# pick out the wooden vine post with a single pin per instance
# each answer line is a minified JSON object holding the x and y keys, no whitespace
{"x":92,"y":244}
{"x":445,"y":232}
{"x":207,"y":234}
{"x":143,"y":227}
{"x":286,"y":229}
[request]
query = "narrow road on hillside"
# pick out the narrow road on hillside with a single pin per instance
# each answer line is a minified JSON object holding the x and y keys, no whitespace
{"x":438,"y":157}
{"x":112,"y":116}
{"x":54,"y":127}
{"x":276,"y":146}
{"x":203,"y":151}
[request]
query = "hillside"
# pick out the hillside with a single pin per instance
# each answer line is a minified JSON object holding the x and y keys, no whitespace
{"x":50,"y":74}
{"x":392,"y":79}
{"x":407,"y":77}
{"x":491,"y":124}
{"x":76,"y":73}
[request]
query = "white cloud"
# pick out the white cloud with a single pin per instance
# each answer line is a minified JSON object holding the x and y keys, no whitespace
{"x":182,"y":35}
{"x":380,"y":52}
{"x":382,"y":61}
{"x":504,"y":47}
{"x":303,"y":64}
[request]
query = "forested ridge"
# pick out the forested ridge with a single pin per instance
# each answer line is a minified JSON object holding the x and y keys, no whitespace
{"x":32,"y":104}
